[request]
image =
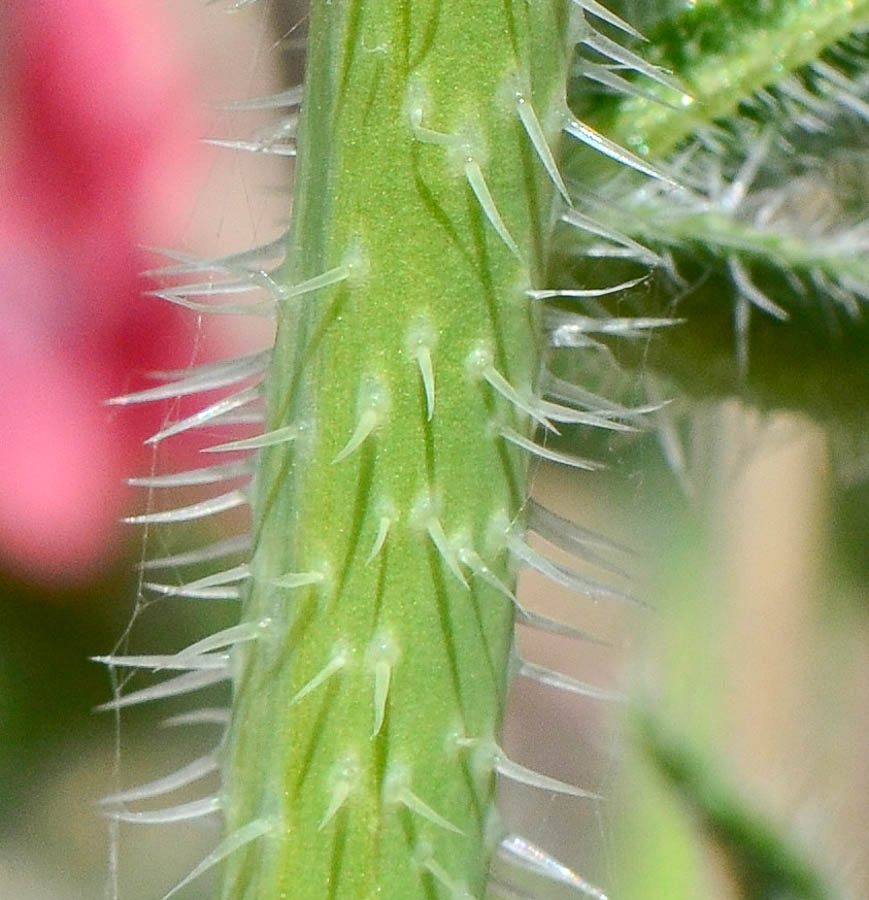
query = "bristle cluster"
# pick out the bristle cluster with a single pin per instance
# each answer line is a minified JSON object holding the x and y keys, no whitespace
{"x":767,"y":217}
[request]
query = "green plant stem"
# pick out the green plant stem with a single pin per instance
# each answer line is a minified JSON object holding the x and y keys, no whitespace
{"x":765,"y":865}
{"x":363,"y":720}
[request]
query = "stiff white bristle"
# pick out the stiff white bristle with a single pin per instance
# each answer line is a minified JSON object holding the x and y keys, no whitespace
{"x":197,"y":809}
{"x":576,"y":396}
{"x":285,"y":99}
{"x":426,"y":371}
{"x":480,"y":364}
{"x":216,"y":550}
{"x":265,"y":308}
{"x":365,"y":426}
{"x":554,"y":412}
{"x":516,"y":850}
{"x":208,"y":415}
{"x":192,"y":477}
{"x":587,"y":292}
{"x":340,"y":658}
{"x":172,"y":687}
{"x":619,"y":326}
{"x":209,"y":715}
{"x":570,"y":330}
{"x":256,"y":362}
{"x":601,"y":12}
{"x":383,"y":526}
{"x":600,"y":229}
{"x":164,"y":661}
{"x":562,"y":574}
{"x":253,"y":259}
{"x":207,"y":289}
{"x":477,"y":181}
{"x":382,"y":655}
{"x":343,"y":782}
{"x":455,"y":889}
{"x":619,"y":54}
{"x":397,"y":791}
{"x":211,"y":507}
{"x":192,"y":593}
{"x":382,"y":679}
{"x":536,"y":135}
{"x":316,"y":283}
{"x":299,"y":579}
{"x":610,"y":148}
{"x":227,"y":637}
{"x":193,"y":771}
{"x":741,"y":324}
{"x":751,"y":292}
{"x":340,"y":794}
{"x":470,"y":558}
{"x":562,"y":682}
{"x":439,"y":539}
{"x":232,"y":842}
{"x":270,"y":439}
{"x":225,"y":576}
{"x":572,"y":538}
{"x":604,"y":75}
{"x":546,"y":453}
{"x":269,"y":147}
{"x":540,"y":622}
{"x":205,"y":378}
{"x":520,"y":774}
{"x":669,"y":439}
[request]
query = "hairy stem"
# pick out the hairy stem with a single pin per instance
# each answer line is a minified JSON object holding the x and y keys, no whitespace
{"x":725,"y":52}
{"x":364,"y":722}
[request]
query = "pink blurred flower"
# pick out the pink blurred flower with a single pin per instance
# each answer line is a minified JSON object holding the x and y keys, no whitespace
{"x":97,"y":135}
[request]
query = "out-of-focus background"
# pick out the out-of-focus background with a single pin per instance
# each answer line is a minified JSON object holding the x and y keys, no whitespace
{"x":753,"y":554}
{"x":103,"y":108}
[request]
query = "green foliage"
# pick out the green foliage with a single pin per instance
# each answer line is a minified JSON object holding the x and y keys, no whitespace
{"x":761,"y":253}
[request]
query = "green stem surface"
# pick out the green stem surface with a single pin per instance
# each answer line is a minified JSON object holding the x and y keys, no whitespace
{"x":364,"y":718}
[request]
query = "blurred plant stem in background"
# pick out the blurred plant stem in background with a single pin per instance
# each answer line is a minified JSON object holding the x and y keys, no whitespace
{"x":745,"y":736}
